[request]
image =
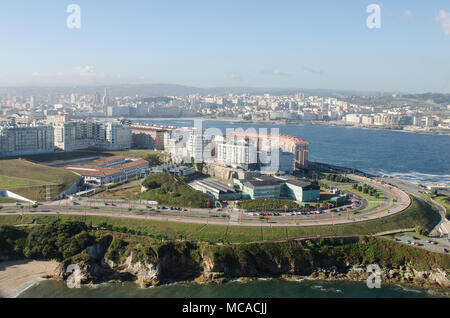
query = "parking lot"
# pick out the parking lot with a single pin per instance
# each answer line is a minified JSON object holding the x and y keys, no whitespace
{"x":429,"y":244}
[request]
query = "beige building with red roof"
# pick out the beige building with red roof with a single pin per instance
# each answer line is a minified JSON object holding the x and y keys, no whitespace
{"x":110,"y":169}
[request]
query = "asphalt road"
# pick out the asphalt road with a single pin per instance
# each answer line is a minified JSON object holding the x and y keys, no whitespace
{"x":415,"y":190}
{"x":424,"y":244}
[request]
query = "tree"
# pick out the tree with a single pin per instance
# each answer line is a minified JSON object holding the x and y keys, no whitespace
{"x":421,"y":230}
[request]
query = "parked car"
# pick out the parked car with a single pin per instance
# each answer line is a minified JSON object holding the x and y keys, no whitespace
{"x":396,"y":239}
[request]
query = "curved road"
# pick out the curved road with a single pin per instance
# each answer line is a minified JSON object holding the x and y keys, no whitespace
{"x":205,"y":215}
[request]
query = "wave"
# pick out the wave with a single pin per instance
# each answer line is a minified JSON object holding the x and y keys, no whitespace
{"x":326,"y":290}
{"x":419,"y":177}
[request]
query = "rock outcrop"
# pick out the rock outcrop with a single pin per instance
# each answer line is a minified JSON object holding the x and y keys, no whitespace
{"x":169,"y":262}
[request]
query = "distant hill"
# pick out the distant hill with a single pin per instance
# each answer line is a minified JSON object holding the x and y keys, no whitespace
{"x":433,"y":97}
{"x":159,"y":90}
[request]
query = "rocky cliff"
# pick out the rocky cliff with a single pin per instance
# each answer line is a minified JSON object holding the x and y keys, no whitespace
{"x":153,"y":263}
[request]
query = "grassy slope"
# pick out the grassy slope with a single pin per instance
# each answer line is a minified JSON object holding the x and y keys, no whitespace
{"x":171,"y":190}
{"x":445,"y":201}
{"x":419,"y":213}
{"x":132,"y":153}
{"x":29,"y":179}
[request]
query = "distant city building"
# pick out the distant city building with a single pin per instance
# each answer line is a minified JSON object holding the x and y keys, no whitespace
{"x":16,"y":140}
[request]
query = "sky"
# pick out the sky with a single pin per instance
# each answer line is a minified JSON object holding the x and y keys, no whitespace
{"x":212,"y":43}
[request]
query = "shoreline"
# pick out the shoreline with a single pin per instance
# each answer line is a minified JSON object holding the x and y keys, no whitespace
{"x":282,"y":122}
{"x":19,"y":275}
{"x":438,"y":292}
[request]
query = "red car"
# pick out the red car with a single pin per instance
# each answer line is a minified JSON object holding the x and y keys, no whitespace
{"x":396,"y":239}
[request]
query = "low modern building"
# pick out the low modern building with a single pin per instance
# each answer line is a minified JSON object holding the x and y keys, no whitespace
{"x":278,"y":187}
{"x":301,"y":190}
{"x":216,"y":189}
{"x":111,"y":169}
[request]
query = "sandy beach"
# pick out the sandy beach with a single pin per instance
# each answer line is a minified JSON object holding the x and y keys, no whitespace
{"x":17,"y":276}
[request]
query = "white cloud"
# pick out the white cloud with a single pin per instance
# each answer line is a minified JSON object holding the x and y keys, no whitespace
{"x":84,"y":70}
{"x":408,"y":14}
{"x":276,"y":72}
{"x":444,"y":20}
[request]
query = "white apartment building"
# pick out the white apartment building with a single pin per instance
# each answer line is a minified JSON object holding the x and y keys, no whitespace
{"x":74,"y":135}
{"x":118,"y":136}
{"x":236,"y":154}
{"x":16,"y":140}
{"x":196,"y":146}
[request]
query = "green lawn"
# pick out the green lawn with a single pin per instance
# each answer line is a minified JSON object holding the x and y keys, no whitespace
{"x":7,"y":200}
{"x":12,"y":182}
{"x":366,"y":196}
{"x":61,"y":156}
{"x":418,"y":213}
{"x":267,"y":204}
{"x":132,"y":153}
{"x":30,"y":179}
{"x":173,"y":191}
{"x":370,"y":206}
{"x":154,"y":157}
{"x":445,"y":201}
{"x":131,"y":193}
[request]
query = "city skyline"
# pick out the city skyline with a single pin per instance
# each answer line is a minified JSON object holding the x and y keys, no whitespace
{"x":237,"y":44}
